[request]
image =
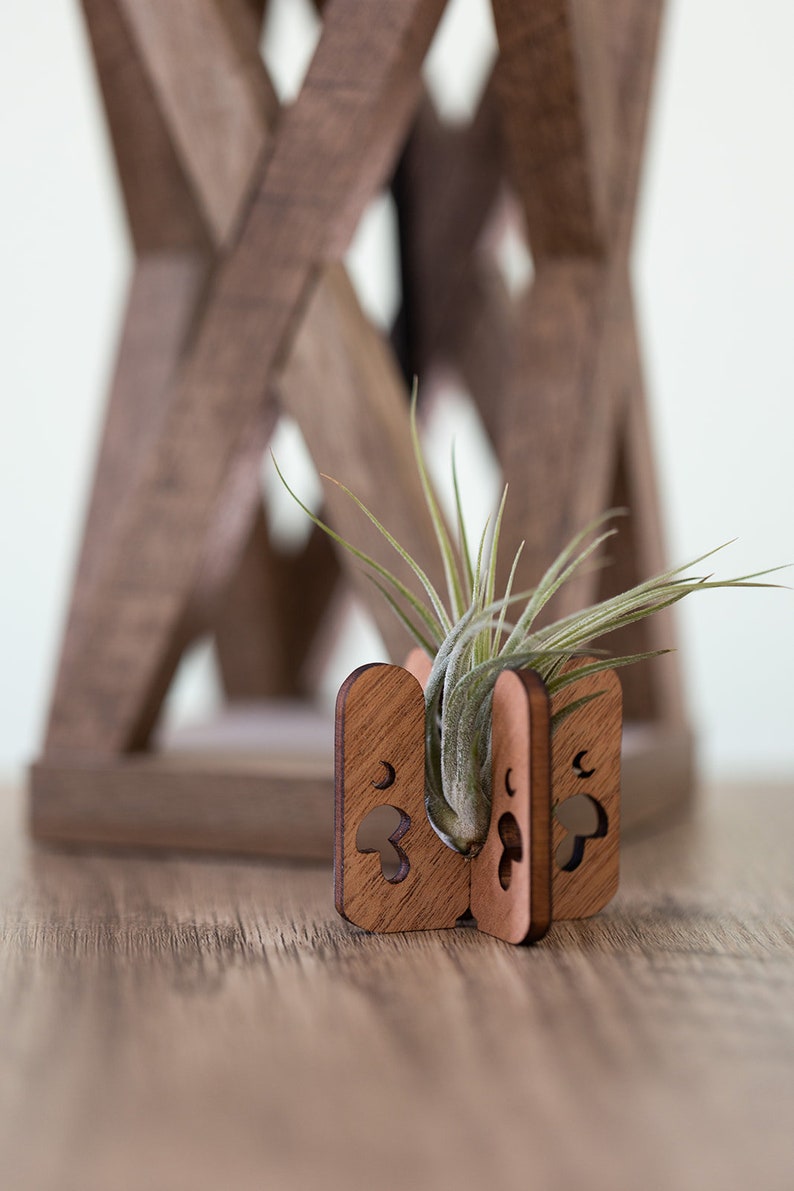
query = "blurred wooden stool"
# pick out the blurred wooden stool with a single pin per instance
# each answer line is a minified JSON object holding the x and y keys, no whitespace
{"x":240,"y":309}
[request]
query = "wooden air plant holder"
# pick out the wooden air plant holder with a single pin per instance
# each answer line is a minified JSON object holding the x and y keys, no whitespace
{"x":536,"y":864}
{"x":241,"y":309}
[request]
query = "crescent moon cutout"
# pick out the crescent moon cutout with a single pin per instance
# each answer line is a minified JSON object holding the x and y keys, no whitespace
{"x":577,"y":765}
{"x":388,"y":780}
{"x":510,"y":789}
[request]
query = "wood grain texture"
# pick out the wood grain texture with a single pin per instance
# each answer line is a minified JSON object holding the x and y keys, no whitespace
{"x":162,"y":70}
{"x":342,"y":385}
{"x":649,"y":552}
{"x":652,"y":691}
{"x":585,"y":760}
{"x":216,"y":107}
{"x":456,"y":306}
{"x":188,"y":1025}
{"x":577,"y":366}
{"x":628,"y":566}
{"x":204,"y":76}
{"x":632,"y":28}
{"x":164,"y":291}
{"x":558,"y":381}
{"x":446,"y":184}
{"x":271,"y":613}
{"x":312,"y":192}
{"x":511,"y":876}
{"x":160,"y":206}
{"x":380,"y":761}
{"x":555,"y":93}
{"x":577,"y":369}
{"x":265,"y":805}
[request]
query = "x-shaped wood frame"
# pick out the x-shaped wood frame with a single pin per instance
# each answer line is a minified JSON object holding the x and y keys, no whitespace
{"x":239,"y":308}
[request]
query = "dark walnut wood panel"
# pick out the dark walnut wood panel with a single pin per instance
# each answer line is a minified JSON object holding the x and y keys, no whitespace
{"x":380,"y":762}
{"x":586,"y":755}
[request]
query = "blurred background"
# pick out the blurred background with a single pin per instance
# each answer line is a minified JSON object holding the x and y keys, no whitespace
{"x":714,"y":280}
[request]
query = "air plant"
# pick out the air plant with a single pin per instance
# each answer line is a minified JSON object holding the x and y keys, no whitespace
{"x":471,"y":639}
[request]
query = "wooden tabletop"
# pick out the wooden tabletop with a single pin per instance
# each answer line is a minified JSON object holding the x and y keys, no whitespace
{"x":183,"y":1023}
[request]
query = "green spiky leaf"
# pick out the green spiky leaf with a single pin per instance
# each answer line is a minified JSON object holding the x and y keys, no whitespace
{"x":471,"y":643}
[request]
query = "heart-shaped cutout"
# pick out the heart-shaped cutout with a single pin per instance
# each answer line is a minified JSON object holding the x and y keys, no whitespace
{"x":381,"y":831}
{"x":584,"y":818}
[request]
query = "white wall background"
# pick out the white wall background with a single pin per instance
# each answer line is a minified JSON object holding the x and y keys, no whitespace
{"x":714,"y":268}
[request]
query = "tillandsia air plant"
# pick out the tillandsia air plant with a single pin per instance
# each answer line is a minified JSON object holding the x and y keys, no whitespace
{"x":471,"y":638}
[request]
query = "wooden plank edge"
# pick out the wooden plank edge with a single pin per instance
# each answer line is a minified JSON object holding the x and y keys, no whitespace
{"x":138,"y":804}
{"x":658,"y":774}
{"x":151,"y":802}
